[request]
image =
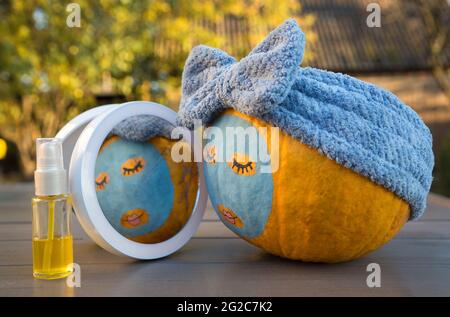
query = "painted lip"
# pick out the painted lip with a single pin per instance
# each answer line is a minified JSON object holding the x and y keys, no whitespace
{"x":230,"y":216}
{"x":134,"y":218}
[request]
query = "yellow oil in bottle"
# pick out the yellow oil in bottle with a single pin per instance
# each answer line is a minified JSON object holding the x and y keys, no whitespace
{"x":52,"y":243}
{"x":53,"y":258}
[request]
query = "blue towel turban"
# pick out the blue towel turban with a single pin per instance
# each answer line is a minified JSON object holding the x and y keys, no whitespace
{"x":354,"y":123}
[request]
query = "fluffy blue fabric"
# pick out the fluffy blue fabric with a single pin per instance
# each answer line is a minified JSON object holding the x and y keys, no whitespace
{"x":142,"y":128}
{"x":359,"y":125}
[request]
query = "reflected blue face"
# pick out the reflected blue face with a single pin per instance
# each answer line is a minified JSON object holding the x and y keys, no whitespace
{"x":134,"y":187}
{"x":240,"y":193}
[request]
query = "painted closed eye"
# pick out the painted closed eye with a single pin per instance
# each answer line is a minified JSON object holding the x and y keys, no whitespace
{"x":211,"y":154}
{"x":132,"y":166}
{"x":101,"y":181}
{"x":241,"y":164}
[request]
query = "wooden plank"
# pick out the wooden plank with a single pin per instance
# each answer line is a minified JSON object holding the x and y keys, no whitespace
{"x":426,"y":230}
{"x":20,"y":211}
{"x":206,"y":250}
{"x":217,"y":263}
{"x":216,"y":229}
{"x":438,"y":208}
{"x":15,"y":205}
{"x":161,"y":279}
{"x":233,"y":268}
{"x":22,"y":231}
{"x":15,"y":202}
{"x":16,"y":210}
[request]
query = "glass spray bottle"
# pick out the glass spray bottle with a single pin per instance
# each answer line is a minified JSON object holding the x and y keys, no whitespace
{"x":52,"y":238}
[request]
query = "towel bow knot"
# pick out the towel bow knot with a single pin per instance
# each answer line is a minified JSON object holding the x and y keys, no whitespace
{"x":255,"y":84}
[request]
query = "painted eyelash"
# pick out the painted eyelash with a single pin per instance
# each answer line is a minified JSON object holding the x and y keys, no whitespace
{"x":242,"y":168}
{"x":135,"y":169}
{"x":102,"y":182}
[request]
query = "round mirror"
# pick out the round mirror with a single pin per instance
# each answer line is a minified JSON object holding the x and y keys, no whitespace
{"x":130,"y":195}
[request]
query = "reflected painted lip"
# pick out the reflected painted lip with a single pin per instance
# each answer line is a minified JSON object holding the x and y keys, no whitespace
{"x":134,"y":218}
{"x":230,"y":216}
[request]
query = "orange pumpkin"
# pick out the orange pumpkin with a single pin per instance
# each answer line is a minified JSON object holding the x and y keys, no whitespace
{"x":317,"y":210}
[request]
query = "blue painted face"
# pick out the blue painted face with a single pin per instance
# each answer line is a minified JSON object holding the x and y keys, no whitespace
{"x":240,"y":193}
{"x":134,"y":187}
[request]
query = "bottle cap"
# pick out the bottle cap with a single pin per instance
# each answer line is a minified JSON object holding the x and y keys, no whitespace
{"x":50,"y":177}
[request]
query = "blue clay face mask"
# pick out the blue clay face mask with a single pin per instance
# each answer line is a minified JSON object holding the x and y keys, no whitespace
{"x":235,"y":184}
{"x":134,"y":187}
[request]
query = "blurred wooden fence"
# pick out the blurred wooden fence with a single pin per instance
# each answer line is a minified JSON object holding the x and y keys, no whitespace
{"x":239,"y":37}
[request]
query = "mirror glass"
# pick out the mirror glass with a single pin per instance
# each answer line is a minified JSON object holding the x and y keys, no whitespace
{"x":143,"y":192}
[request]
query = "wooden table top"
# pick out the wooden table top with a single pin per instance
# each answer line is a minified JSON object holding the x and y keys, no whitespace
{"x":217,"y":263}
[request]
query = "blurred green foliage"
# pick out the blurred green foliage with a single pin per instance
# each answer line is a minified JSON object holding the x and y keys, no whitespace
{"x":50,"y":72}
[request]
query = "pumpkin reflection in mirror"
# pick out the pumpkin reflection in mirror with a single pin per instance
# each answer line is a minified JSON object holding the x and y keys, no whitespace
{"x":144,"y":194}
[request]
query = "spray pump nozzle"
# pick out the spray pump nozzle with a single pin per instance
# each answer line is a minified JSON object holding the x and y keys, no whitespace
{"x":50,"y":176}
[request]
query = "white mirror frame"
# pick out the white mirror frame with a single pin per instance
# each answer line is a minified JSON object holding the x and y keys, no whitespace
{"x":82,"y":175}
{"x":70,"y":133}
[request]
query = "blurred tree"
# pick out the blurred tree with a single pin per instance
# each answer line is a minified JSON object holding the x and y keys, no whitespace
{"x":50,"y":72}
{"x":435,"y":16}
